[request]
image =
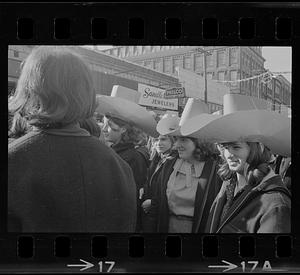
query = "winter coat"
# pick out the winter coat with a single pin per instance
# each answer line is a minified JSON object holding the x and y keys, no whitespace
{"x":151,"y":187}
{"x":154,"y":169}
{"x":204,"y":197}
{"x":265,"y":208}
{"x":138,"y":164}
{"x":68,"y":183}
{"x":143,"y":150}
{"x":136,"y":161}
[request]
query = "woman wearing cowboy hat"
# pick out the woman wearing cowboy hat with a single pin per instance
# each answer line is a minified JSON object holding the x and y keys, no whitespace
{"x":123,"y":122}
{"x":187,"y":184}
{"x":253,"y":198}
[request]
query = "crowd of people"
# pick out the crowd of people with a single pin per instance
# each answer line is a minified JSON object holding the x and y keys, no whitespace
{"x":81,"y":162}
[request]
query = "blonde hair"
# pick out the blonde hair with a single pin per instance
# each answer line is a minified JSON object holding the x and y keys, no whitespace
{"x":152,"y":145}
{"x":55,"y":88}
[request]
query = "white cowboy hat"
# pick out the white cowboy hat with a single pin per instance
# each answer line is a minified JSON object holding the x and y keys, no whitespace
{"x":245,"y":118}
{"x":128,"y":111}
{"x":170,"y":124}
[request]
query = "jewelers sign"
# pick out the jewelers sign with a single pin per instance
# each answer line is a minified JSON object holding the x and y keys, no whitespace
{"x":155,"y":97}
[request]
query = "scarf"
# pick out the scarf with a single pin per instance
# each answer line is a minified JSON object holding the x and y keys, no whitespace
{"x":186,"y":168}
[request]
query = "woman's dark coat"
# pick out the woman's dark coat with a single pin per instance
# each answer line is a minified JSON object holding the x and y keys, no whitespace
{"x":138,"y":164}
{"x":153,"y":172}
{"x":152,"y":185}
{"x":68,"y":184}
{"x":208,"y":187}
{"x":265,"y":208}
{"x":136,"y":161}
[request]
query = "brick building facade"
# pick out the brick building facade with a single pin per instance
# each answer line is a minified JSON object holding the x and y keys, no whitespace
{"x":223,"y":64}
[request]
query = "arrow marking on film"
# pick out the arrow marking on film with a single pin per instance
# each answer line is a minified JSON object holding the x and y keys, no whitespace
{"x":228,"y":267}
{"x":275,"y":270}
{"x":85,"y":266}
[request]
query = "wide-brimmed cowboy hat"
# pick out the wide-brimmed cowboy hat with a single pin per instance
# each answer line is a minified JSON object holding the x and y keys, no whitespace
{"x":244,"y":118}
{"x":170,"y":124}
{"x":128,"y":111}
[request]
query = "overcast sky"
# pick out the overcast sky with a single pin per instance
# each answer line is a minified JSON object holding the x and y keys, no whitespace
{"x":278,"y":59}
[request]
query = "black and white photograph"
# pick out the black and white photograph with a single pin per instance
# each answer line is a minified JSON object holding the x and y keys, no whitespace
{"x":149,"y":139}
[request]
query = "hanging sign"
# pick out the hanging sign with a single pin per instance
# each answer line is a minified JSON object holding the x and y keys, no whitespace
{"x":155,"y":97}
{"x":175,"y":92}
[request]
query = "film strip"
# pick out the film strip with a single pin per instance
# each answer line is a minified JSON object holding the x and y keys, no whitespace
{"x":223,"y":24}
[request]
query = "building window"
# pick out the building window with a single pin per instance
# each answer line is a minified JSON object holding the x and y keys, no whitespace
{"x":261,"y":90}
{"x":187,"y":62}
{"x":250,"y":64}
{"x":277,"y":91}
{"x":250,"y":86}
{"x":255,"y":67}
{"x":139,"y":50}
{"x":209,"y":75}
{"x":245,"y":59}
{"x":132,"y":50}
{"x":115,"y":52}
{"x":233,"y":56}
{"x":233,"y":75}
{"x":246,"y":82}
{"x":156,"y":64}
{"x":221,"y":58}
{"x":198,"y":63}
{"x":221,"y":76}
{"x":277,"y":106}
{"x":16,"y":54}
{"x":167,"y":66}
{"x":176,"y":63}
{"x":147,"y":64}
{"x":283,"y":95}
{"x":135,"y":50}
{"x":209,"y":60}
{"x":123,"y":52}
{"x":254,"y":92}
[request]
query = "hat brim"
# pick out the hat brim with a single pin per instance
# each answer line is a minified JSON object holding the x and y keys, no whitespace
{"x":127,"y":111}
{"x":169,"y":126}
{"x":268,"y":127}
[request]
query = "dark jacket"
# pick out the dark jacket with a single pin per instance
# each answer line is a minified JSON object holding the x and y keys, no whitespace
{"x":208,"y":188}
{"x":143,"y":150}
{"x":154,"y":169}
{"x":138,"y":164}
{"x":151,"y":187}
{"x":136,"y":161}
{"x":68,"y":184}
{"x":264,"y":208}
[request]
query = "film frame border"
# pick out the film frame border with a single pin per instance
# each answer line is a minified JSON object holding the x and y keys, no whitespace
{"x":259,"y":30}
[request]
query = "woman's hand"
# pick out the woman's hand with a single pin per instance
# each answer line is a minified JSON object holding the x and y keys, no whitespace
{"x":141,"y":193}
{"x":146,"y":205}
